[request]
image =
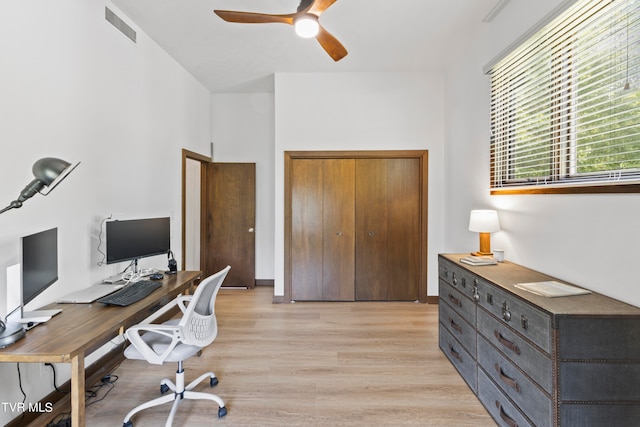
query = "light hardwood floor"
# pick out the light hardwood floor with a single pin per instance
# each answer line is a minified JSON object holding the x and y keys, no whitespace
{"x":309,"y":364}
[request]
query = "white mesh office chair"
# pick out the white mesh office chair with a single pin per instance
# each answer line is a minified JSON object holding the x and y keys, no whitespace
{"x":177,"y":340}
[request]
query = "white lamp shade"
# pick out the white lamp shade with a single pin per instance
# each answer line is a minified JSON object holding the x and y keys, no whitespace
{"x":484,"y":221}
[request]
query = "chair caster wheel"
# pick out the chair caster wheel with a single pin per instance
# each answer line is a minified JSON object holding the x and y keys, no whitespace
{"x":127,"y":424}
{"x":222,"y":412}
{"x":213,"y":381}
{"x":164,"y":388}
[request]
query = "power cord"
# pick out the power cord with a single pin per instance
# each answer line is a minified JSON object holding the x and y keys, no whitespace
{"x":24,"y":395}
{"x":53,"y":368}
{"x":92,"y":393}
{"x":101,"y":262}
{"x":64,"y":420}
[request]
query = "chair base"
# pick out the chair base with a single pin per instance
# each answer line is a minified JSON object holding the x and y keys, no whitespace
{"x":179,"y":392}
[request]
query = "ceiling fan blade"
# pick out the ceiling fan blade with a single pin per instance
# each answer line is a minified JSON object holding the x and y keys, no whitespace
{"x":320,"y":6}
{"x":254,"y":18}
{"x":331,"y":45}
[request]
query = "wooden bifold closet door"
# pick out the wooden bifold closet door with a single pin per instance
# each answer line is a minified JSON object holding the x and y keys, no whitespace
{"x":323,"y":238}
{"x":355,"y":229}
{"x":387,"y":229}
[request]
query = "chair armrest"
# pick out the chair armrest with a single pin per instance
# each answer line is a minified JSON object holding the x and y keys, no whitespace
{"x":134,"y":334}
{"x":181,"y":299}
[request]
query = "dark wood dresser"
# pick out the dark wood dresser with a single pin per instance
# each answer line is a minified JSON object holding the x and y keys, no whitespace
{"x":535,"y":360}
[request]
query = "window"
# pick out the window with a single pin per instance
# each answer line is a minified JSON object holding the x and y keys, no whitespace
{"x":565,"y":104}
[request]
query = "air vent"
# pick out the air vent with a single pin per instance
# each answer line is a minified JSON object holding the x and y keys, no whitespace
{"x":119,"y":24}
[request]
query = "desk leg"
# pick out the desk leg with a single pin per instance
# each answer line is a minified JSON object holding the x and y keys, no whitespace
{"x":77,"y":390}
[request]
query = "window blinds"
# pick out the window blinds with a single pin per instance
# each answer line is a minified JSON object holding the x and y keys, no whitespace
{"x":565,"y":103}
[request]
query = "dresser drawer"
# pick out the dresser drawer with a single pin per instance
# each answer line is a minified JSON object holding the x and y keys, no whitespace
{"x":599,"y":338}
{"x":532,"y":361}
{"x":460,"y":358}
{"x":580,"y":415}
{"x":590,"y":381}
{"x":446,"y":270}
{"x":501,"y":409}
{"x":464,"y":306}
{"x":458,"y":278}
{"x":524,"y":393}
{"x":458,"y":327}
{"x":522,"y":317}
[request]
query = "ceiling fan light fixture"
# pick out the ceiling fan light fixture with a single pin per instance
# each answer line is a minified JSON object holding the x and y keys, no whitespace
{"x":307,"y":26}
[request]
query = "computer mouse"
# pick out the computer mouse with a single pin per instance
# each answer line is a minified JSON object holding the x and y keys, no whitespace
{"x":156,"y":276}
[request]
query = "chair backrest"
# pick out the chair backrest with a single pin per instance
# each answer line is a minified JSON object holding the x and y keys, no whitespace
{"x":199,"y":324}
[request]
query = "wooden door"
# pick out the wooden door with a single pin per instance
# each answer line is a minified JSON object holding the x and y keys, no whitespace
{"x":387,"y":191}
{"x":230,"y":221}
{"x":322,"y":235}
{"x":387,"y":229}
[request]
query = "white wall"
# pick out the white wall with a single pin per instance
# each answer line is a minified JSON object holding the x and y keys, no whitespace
{"x":589,"y":240}
{"x":242,"y":130}
{"x":72,"y":86}
{"x":361,"y":111}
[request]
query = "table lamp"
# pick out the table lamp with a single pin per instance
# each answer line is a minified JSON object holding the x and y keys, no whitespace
{"x":484,"y":222}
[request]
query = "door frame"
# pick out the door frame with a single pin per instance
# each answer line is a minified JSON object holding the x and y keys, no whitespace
{"x":421,"y":155}
{"x":204,"y":165}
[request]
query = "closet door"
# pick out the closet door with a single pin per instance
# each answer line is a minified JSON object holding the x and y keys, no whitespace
{"x":387,"y":229}
{"x":322,"y":235}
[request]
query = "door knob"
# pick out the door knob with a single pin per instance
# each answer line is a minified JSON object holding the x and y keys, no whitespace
{"x":339,"y":233}
{"x":250,"y":230}
{"x":371,"y":233}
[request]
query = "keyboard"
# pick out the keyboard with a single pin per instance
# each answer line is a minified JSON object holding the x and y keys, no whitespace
{"x":131,"y":293}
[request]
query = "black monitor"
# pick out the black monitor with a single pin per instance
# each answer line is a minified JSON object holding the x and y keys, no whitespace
{"x":39,"y":263}
{"x":131,"y":240}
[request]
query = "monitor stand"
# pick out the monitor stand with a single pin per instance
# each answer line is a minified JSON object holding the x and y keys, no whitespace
{"x":10,"y":332}
{"x":31,"y":318}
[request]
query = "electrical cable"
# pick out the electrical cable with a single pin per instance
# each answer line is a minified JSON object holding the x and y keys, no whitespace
{"x":24,"y":396}
{"x":101,"y":262}
{"x":108,"y":380}
{"x":53,"y":368}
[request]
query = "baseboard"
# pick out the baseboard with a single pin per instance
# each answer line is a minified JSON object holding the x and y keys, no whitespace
{"x":265,"y":282}
{"x":279,"y":299}
{"x":432,"y":299}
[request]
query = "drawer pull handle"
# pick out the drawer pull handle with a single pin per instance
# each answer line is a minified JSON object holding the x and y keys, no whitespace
{"x":511,"y":422}
{"x":455,"y":354}
{"x":455,"y":326}
{"x":505,"y":342}
{"x":506,"y":313}
{"x":476,"y":295}
{"x":508,"y":381}
{"x":455,"y":300}
{"x":454,"y":279}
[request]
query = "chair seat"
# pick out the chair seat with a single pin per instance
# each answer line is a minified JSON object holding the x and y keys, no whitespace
{"x":159,"y":344}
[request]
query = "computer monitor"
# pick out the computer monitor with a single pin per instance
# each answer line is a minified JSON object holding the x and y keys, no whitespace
{"x":131,"y":240}
{"x":39,"y":269}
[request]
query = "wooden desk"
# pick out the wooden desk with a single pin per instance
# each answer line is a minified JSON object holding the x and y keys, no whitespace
{"x":83,"y":328}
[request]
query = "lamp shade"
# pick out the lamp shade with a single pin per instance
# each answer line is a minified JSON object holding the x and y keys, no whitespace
{"x":484,"y":221}
{"x":48,"y":173}
{"x":307,"y":26}
{"x":51,"y":171}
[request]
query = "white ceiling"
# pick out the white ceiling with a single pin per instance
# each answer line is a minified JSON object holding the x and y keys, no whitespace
{"x":380,"y":35}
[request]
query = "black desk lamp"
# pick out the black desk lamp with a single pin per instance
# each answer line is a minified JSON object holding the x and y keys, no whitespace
{"x":49,"y":172}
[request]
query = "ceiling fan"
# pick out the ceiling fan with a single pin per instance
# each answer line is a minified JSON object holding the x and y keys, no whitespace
{"x":305,"y":21}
